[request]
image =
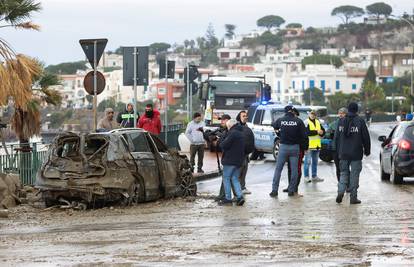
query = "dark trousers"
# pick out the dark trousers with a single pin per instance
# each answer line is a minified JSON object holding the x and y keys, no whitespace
{"x":301,"y":155}
{"x":243,"y":172}
{"x":199,"y":150}
{"x":336,"y":160}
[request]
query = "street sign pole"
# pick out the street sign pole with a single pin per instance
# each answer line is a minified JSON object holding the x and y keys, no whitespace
{"x":135,"y":87}
{"x":95,"y":119}
{"x":166,"y":102}
{"x":188,"y":93}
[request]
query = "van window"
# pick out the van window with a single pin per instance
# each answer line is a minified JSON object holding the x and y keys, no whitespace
{"x":258,"y":116}
{"x":267,"y":118}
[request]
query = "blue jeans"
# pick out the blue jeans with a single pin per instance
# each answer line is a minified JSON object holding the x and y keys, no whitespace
{"x":349,"y":178}
{"x":231,"y":176}
{"x":291,"y":153}
{"x":314,"y":156}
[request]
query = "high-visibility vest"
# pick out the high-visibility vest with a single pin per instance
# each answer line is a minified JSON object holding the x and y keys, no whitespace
{"x":314,"y":140}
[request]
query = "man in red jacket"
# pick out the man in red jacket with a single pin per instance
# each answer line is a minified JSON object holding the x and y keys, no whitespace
{"x":151,"y":120}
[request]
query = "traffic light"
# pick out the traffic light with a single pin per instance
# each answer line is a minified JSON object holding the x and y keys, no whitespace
{"x":193,"y":74}
{"x":170,"y":67}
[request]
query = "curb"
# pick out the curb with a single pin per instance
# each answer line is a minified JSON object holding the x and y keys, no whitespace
{"x":207,"y":175}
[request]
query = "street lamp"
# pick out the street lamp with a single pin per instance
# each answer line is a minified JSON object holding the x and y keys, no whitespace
{"x":412,"y":60}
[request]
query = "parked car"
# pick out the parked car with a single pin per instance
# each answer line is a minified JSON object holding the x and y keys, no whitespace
{"x":127,"y":165}
{"x":397,"y":153}
{"x":260,"y":118}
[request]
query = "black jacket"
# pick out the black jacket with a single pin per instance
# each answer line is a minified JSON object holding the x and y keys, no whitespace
{"x":126,"y":122}
{"x":248,"y":139}
{"x":352,"y":138}
{"x":232,"y":146}
{"x":292,"y":131}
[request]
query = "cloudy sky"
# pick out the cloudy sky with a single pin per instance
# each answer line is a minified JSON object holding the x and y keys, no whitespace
{"x":142,"y":22}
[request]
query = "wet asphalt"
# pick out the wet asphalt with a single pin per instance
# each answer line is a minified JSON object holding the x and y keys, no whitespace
{"x":309,"y":231}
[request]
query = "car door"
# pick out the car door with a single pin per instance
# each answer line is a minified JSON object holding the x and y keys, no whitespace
{"x":387,"y":149}
{"x":167,"y":164}
{"x":259,"y":138}
{"x":146,"y":162}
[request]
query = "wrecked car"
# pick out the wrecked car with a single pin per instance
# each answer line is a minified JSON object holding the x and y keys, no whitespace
{"x":124,"y":165}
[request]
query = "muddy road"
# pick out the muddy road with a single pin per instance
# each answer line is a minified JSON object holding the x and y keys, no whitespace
{"x":308,"y":231}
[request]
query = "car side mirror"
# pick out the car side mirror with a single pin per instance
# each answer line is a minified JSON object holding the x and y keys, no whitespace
{"x":382,"y":138}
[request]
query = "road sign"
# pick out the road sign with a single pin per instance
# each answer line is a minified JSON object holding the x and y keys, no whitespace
{"x":141,"y":65}
{"x":88,"y":82}
{"x":87,"y":46}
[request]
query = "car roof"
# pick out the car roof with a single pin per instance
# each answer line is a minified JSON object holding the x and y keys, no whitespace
{"x":126,"y":130}
{"x":282,"y":107}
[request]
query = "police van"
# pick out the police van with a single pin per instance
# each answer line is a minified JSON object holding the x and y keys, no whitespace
{"x":260,"y":119}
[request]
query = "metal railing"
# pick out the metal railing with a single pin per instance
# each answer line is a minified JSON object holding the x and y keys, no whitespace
{"x":24,"y":160}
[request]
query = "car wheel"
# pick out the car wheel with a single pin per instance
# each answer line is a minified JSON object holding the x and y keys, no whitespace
{"x":384,"y":176}
{"x":275,"y":151}
{"x":326,"y":155}
{"x":136,"y":192}
{"x":186,"y":183}
{"x":395,"y":177}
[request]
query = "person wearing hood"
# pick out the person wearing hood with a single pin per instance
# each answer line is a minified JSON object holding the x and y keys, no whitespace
{"x":233,"y":149}
{"x":248,"y":148}
{"x":126,"y":117}
{"x":292,"y":134}
{"x":352,"y":141}
{"x":151,"y":121}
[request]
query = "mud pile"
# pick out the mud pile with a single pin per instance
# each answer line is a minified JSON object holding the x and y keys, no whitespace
{"x":10,"y":188}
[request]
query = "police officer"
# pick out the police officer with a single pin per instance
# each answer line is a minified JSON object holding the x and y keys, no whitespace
{"x":352,"y":141}
{"x":292,"y":135}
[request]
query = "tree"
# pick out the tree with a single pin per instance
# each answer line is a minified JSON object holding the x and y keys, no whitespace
{"x":294,"y":25}
{"x":339,"y":100}
{"x":370,"y":76}
{"x":269,"y":39}
{"x":345,"y":13}
{"x":372,"y":94}
{"x":156,"y":48}
{"x":317,"y":97}
{"x":229,"y":30}
{"x":67,"y":67}
{"x":378,"y":9}
{"x":322,"y":59}
{"x":270,"y":22}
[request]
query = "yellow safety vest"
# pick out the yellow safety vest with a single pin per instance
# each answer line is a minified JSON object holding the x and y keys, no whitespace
{"x":314,"y":140}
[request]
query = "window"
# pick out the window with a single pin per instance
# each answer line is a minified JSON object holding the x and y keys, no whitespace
{"x":138,"y":142}
{"x":237,"y":54}
{"x":338,"y":85}
{"x":278,"y":86}
{"x":409,"y":133}
{"x":258,"y":116}
{"x":354,"y":86}
{"x":323,"y":85}
{"x":79,"y":83}
{"x":293,"y":84}
{"x":267,"y":118}
{"x":311,"y":84}
{"x":159,"y":144}
{"x":303,"y":85}
{"x":224,"y":54}
{"x":404,"y":62}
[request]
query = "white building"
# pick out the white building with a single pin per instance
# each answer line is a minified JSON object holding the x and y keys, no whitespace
{"x":290,"y":82}
{"x":228,"y":54}
{"x":333,"y":51}
{"x":109,"y":60}
{"x":294,"y":56}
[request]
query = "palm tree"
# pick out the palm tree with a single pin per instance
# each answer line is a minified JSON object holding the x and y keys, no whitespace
{"x":17,"y":72}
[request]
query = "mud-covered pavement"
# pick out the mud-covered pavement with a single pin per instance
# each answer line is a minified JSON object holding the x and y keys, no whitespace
{"x":308,"y":231}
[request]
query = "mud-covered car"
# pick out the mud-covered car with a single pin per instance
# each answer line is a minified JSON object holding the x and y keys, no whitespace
{"x":126,"y":165}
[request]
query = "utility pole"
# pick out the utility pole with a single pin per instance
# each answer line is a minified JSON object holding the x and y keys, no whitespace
{"x":135,"y":86}
{"x":166,"y":102}
{"x":95,"y":100}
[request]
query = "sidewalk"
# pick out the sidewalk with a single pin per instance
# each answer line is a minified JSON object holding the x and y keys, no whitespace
{"x":210,"y":166}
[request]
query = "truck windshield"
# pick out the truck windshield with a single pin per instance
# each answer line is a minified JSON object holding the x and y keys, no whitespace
{"x":235,"y":87}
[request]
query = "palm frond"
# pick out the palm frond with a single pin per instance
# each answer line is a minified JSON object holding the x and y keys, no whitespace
{"x":18,"y":11}
{"x":28,"y":26}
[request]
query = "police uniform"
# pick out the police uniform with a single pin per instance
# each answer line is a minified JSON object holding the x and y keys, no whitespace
{"x":292,"y":134}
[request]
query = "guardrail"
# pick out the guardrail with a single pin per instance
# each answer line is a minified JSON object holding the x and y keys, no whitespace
{"x":24,"y":160}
